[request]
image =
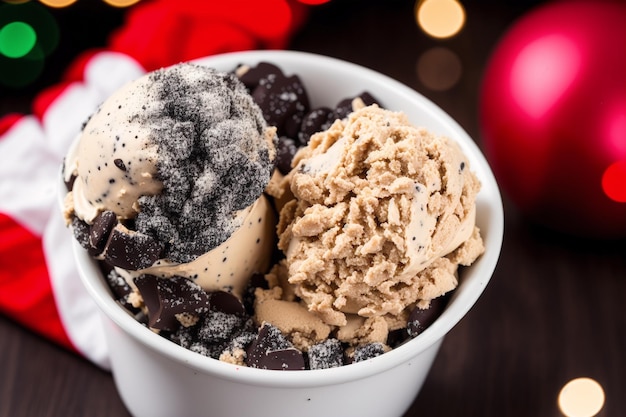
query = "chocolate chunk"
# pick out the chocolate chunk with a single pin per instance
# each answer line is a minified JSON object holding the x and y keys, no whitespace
{"x":242,"y":339}
{"x":101,"y":229}
{"x":283,"y":101}
{"x":290,"y":359}
{"x":80,"y":230}
{"x":344,"y":107}
{"x":368,"y":99}
{"x":316,"y":120}
{"x":293,"y":122}
{"x":120,"y":289}
{"x":256,"y":281}
{"x":287,"y":148}
{"x":118,"y":284}
{"x":397,"y":337}
{"x":254,"y":75}
{"x":271,"y":350}
{"x":326,"y":354}
{"x":167,"y":297}
{"x":131,"y":250}
{"x":69,"y":184}
{"x":226,"y":302}
{"x":207,"y":349}
{"x":420,"y":319}
{"x":367,"y":351}
{"x":105,"y":267}
{"x":183,"y":336}
{"x":218,"y":327}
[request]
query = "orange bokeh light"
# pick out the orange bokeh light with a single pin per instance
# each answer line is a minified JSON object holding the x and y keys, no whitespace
{"x":440,"y":18}
{"x":58,"y":3}
{"x":121,"y":3}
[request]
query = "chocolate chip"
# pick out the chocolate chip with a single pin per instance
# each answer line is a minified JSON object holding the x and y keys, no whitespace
{"x":120,"y":164}
{"x":326,"y":354}
{"x":287,"y":148}
{"x":100,"y":230}
{"x":131,"y":250}
{"x":271,"y":350}
{"x":226,"y":302}
{"x":166,"y":297}
{"x":420,"y":319}
{"x":316,"y":120}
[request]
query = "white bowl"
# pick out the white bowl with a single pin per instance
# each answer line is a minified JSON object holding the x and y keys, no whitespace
{"x":156,"y":377}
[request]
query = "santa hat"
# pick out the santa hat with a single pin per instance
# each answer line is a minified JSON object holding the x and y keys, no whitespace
{"x":39,"y":283}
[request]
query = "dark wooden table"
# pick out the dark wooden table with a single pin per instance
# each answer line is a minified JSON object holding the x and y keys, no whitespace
{"x":553,"y":311}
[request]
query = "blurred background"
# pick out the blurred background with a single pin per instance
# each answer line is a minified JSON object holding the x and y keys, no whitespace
{"x":464,"y":55}
{"x":65,"y":28}
{"x":539,"y":85}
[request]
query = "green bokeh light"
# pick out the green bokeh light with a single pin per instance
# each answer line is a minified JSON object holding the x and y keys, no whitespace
{"x":18,"y":72}
{"x":17,"y":39}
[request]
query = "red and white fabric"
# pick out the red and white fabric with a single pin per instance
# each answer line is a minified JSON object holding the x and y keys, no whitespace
{"x":39,"y":284}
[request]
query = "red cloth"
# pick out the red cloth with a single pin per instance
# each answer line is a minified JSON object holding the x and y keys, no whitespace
{"x":166,"y":32}
{"x":25,"y":290}
{"x":156,"y":33}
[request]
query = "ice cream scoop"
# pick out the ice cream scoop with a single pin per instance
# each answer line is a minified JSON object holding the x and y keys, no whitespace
{"x":167,"y":178}
{"x":384,"y":212}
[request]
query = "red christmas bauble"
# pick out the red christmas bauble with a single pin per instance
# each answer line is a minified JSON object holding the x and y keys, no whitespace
{"x":553,"y":116}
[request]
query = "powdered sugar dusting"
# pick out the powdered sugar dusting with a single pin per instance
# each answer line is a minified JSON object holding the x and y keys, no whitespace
{"x":213,"y":159}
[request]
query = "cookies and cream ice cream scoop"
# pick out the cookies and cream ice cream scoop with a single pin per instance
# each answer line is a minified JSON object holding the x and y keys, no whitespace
{"x":167,"y":178}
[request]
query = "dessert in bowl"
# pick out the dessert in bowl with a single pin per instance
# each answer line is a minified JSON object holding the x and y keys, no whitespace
{"x":155,"y":376}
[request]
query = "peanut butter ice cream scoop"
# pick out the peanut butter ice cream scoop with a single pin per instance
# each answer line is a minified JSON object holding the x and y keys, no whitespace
{"x":383,"y":215}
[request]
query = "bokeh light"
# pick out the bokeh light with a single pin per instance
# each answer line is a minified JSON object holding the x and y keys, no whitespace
{"x":440,"y":18}
{"x":17,"y":39}
{"x":543,"y":72}
{"x":439,"y":68}
{"x":581,"y":397}
{"x":58,"y":4}
{"x":37,"y":17}
{"x":614,"y":181}
{"x":121,"y":3}
{"x":29,"y":34}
